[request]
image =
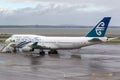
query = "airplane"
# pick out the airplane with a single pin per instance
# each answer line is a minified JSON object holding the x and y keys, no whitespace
{"x":28,"y":42}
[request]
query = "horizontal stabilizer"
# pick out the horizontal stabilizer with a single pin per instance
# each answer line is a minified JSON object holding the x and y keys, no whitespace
{"x":109,"y":39}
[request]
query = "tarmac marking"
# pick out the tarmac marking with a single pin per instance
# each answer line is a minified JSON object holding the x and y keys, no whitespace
{"x":102,"y":74}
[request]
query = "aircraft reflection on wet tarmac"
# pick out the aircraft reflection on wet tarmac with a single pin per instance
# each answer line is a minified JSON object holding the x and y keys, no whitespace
{"x":100,"y":62}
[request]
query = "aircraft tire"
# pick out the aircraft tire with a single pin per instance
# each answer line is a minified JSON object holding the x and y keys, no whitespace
{"x":42,"y":53}
{"x":52,"y":52}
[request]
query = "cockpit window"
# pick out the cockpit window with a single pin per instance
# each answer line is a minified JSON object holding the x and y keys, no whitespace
{"x":11,"y":40}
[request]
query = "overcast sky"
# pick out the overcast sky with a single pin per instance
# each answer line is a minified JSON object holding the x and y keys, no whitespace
{"x":58,"y":12}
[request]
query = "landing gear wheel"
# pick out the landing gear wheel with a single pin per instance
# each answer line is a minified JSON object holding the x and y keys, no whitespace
{"x":49,"y":52}
{"x":42,"y":53}
{"x":52,"y":52}
{"x":55,"y":52}
{"x":15,"y":50}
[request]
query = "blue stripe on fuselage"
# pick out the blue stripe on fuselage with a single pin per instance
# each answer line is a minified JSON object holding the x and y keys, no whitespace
{"x":21,"y":44}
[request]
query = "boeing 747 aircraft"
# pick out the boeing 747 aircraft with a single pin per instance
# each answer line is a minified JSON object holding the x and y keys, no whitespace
{"x":29,"y":42}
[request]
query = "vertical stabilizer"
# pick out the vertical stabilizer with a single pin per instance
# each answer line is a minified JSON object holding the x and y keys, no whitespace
{"x":100,"y":29}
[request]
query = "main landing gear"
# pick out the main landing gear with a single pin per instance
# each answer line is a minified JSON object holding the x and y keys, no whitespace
{"x":42,"y":53}
{"x":52,"y":52}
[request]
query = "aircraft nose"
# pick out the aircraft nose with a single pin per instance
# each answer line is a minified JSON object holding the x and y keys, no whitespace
{"x":5,"y":44}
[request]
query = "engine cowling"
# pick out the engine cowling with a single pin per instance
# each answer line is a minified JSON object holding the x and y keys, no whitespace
{"x":27,"y":49}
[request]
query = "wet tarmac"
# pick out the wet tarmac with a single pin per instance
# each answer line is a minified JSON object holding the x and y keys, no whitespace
{"x":98,"y":62}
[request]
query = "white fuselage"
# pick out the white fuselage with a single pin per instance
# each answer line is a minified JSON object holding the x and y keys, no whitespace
{"x":30,"y":42}
{"x":55,"y":42}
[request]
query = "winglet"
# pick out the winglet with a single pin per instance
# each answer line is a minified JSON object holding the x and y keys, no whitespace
{"x":35,"y":44}
{"x":100,"y":29}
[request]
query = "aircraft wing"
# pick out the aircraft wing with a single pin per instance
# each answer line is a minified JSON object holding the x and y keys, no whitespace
{"x":37,"y":45}
{"x":31,"y":44}
{"x":109,"y":39}
{"x":46,"y":46}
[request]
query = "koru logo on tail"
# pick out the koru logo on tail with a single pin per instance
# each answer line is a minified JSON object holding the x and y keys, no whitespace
{"x":100,"y":27}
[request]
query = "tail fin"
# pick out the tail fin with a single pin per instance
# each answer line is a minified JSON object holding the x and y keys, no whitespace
{"x":100,"y":29}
